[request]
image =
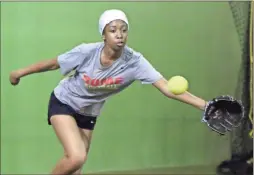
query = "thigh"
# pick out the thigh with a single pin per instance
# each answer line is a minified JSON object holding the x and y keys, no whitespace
{"x":68,"y":134}
{"x":86,"y":126}
{"x":86,"y":135}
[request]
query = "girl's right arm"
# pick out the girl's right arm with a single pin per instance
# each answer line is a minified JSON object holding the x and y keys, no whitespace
{"x":42,"y":66}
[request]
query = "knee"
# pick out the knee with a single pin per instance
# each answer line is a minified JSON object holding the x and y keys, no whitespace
{"x":77,"y":159}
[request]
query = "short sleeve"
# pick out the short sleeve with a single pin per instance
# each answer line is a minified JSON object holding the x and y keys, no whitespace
{"x":145,"y":72}
{"x":71,"y":59}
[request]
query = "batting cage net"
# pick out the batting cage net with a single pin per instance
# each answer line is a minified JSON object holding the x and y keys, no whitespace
{"x":242,"y":142}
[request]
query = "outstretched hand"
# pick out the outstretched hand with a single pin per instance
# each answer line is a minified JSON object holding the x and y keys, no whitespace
{"x":14,"y":78}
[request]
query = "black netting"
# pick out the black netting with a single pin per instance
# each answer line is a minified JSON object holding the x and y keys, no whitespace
{"x":241,"y":141}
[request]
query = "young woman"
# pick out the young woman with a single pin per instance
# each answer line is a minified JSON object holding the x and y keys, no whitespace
{"x":101,"y":70}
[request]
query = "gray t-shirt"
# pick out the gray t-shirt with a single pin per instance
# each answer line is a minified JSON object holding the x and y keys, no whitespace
{"x":87,"y":90}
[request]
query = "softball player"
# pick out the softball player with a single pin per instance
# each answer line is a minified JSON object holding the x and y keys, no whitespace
{"x":102,"y":69}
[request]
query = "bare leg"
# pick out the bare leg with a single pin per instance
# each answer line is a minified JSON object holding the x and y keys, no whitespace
{"x":87,"y":137}
{"x":75,"y":150}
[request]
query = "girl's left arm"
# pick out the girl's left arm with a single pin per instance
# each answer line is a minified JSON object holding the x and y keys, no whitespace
{"x":186,"y":97}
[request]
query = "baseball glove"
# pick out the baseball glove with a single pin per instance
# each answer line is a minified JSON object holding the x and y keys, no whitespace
{"x":223,"y":113}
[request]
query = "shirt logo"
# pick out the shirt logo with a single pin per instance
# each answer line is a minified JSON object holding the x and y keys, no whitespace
{"x":104,"y":83}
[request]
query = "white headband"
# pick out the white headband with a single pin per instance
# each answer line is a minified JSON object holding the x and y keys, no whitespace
{"x":109,"y":16}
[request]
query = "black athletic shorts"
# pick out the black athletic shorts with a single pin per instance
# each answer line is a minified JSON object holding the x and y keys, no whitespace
{"x":56,"y":107}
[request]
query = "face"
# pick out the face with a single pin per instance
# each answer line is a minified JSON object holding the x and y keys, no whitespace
{"x":115,"y":34}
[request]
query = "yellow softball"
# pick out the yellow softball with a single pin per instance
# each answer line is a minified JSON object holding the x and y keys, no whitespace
{"x":177,"y":85}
